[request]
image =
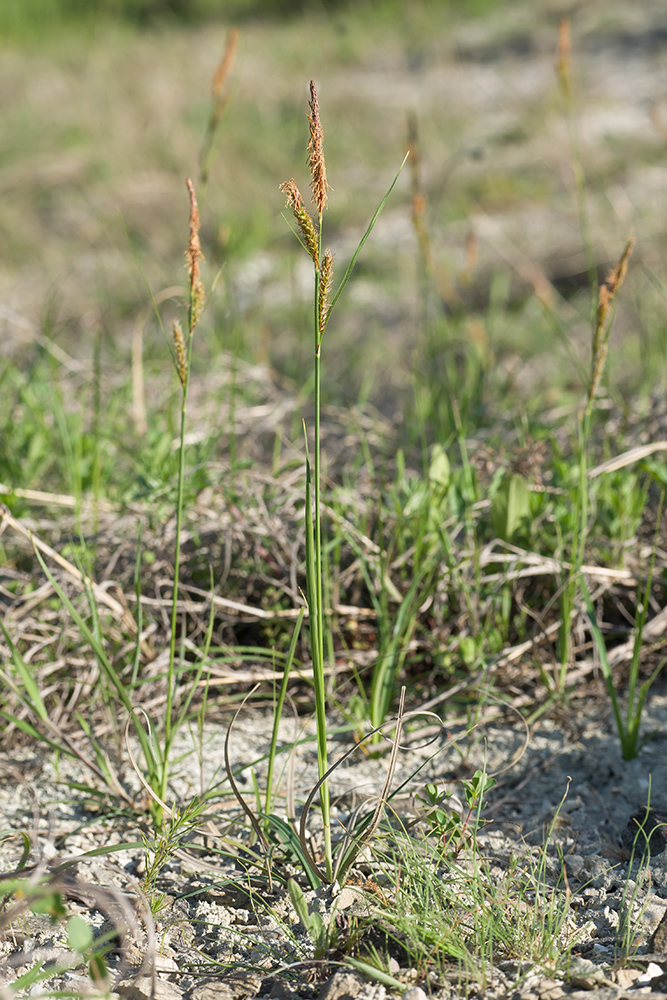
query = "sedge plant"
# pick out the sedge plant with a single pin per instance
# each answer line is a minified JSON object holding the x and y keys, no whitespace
{"x":602,"y":303}
{"x":309,"y":232}
{"x":628,"y":726}
{"x":604,"y":315}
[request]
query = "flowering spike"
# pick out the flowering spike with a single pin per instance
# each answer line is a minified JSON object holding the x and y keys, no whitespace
{"x":606,"y":296}
{"x":318,"y":170}
{"x":193,"y":254}
{"x":304,"y":221}
{"x":326,"y":278}
{"x":181,"y":356}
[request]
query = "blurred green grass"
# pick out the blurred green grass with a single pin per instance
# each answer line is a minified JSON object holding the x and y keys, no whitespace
{"x":34,"y":19}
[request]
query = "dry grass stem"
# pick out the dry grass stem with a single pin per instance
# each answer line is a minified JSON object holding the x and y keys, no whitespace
{"x":318,"y":170}
{"x":303,"y":219}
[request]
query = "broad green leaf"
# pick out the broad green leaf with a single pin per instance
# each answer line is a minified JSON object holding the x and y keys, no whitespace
{"x":439,"y":471}
{"x":511,"y":507}
{"x":79,"y":934}
{"x":299,"y":902}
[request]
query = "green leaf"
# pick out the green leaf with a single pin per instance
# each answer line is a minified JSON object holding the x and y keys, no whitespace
{"x":51,"y":903}
{"x":299,"y":902}
{"x":377,"y":974}
{"x":288,"y":837}
{"x":439,"y":470}
{"x":79,"y":934}
{"x":369,"y":230}
{"x":97,"y":970}
{"x":31,"y":689}
{"x":511,"y":507}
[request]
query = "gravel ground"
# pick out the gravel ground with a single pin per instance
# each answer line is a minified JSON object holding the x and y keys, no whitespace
{"x":221,"y":933}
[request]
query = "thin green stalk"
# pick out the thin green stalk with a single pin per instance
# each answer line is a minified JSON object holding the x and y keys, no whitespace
{"x":268,"y":801}
{"x":177,"y":565}
{"x":183,"y":366}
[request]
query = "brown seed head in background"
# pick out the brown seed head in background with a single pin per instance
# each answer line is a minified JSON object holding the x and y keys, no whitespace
{"x":225,"y":64}
{"x":318,"y":170}
{"x":564,"y":59}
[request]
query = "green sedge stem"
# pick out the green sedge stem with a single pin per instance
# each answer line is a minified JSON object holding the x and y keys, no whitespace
{"x":317,"y":636}
{"x":177,"y":555}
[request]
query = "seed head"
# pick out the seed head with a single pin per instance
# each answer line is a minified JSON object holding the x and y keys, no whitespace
{"x":606,"y":296}
{"x":326,"y":278}
{"x":564,"y":59}
{"x":193,"y":254}
{"x":318,"y":170}
{"x":225,"y":64}
{"x":181,"y":355}
{"x":303,"y":219}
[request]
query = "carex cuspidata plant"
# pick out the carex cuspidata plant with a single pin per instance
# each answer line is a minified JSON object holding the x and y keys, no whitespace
{"x":602,"y":312}
{"x":310,"y":233}
{"x":183,"y":363}
{"x":602,"y":323}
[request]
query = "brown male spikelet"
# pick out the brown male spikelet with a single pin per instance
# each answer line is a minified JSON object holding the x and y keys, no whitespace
{"x":181,"y":355}
{"x":225,"y":65}
{"x":303,"y":219}
{"x":193,"y":255}
{"x":418,"y":201}
{"x":564,"y":59}
{"x":606,"y":296}
{"x":326,"y":278}
{"x":318,"y":170}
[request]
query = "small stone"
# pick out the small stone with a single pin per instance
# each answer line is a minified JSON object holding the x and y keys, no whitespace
{"x":658,"y":942}
{"x":653,"y":971}
{"x":626,"y":977}
{"x":574,"y":866}
{"x":643,"y":824}
{"x":349,"y":896}
{"x":549,"y":989}
{"x":585,"y":974}
{"x":165,"y":964}
{"x":141,"y":988}
{"x":341,"y":986}
{"x":238,"y":986}
{"x":414,"y":993}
